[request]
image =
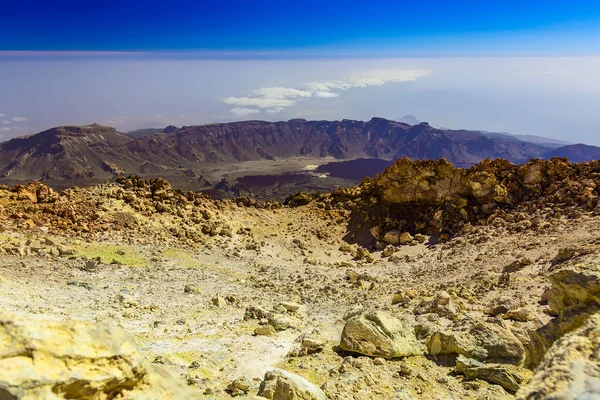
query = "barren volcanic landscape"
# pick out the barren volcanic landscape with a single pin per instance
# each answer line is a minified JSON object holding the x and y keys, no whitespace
{"x":299,"y":200}
{"x":426,"y":282}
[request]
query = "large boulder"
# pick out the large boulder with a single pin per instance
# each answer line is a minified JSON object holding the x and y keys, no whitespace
{"x":282,"y":385}
{"x":570,"y":369}
{"x":378,"y":334}
{"x":481,"y":341}
{"x":46,"y":359}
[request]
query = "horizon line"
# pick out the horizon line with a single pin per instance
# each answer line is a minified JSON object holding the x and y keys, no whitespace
{"x":207,"y":54}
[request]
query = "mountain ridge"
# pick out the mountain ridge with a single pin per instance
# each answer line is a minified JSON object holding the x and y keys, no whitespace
{"x":101,"y":152}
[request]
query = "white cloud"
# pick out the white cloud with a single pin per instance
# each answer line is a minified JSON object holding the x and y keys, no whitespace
{"x":17,"y":127}
{"x":368,"y":78}
{"x":281,"y":93}
{"x":154,"y":116}
{"x":2,"y":115}
{"x":326,"y":86}
{"x":326,"y":95}
{"x":19,"y":119}
{"x":5,"y":129}
{"x":6,"y":122}
{"x":261,"y":102}
{"x":274,"y":99}
{"x":242,"y":112}
{"x":382,"y":77}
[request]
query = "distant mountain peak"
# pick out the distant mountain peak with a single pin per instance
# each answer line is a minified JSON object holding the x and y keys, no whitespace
{"x":170,"y":128}
{"x":409,"y":119}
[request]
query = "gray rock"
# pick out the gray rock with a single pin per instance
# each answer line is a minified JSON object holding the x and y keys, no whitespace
{"x":356,"y":310}
{"x":482,"y":341}
{"x":493,"y":373}
{"x":279,"y":322}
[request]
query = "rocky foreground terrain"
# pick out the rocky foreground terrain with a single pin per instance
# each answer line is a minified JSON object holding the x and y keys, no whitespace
{"x":427,"y":282}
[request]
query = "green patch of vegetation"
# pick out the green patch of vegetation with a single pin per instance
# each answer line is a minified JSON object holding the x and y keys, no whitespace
{"x":179,"y":254}
{"x":7,"y":237}
{"x":204,"y":367}
{"x":185,"y":356}
{"x":309,"y":369}
{"x":110,"y":252}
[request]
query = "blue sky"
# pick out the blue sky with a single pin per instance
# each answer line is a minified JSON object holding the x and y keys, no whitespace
{"x":550,"y":27}
{"x":525,"y":67}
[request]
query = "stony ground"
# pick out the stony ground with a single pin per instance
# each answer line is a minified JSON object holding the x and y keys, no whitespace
{"x":194,"y":301}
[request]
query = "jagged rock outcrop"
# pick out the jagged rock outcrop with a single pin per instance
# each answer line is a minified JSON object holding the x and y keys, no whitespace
{"x":570,"y":369}
{"x":74,"y":211}
{"x":436,"y":198}
{"x":282,"y":385}
{"x":46,"y":359}
{"x":36,"y":192}
{"x":379,"y":334}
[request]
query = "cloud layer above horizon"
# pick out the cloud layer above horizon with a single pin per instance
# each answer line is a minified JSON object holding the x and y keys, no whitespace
{"x":273,"y":100}
{"x":552,"y":97}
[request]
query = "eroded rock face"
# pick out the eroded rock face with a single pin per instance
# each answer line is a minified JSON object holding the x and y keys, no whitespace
{"x":36,"y":192}
{"x":571,"y":368}
{"x":481,"y":341}
{"x":45,"y":359}
{"x":282,"y":385}
{"x":434,"y":197}
{"x":573,"y":297}
{"x":504,"y":375}
{"x":430,"y":182}
{"x":378,"y":334}
{"x":575,"y":286}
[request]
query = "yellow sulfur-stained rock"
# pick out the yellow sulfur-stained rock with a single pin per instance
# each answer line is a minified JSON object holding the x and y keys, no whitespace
{"x":282,"y":385}
{"x":570,"y":369}
{"x":47,"y":359}
{"x":379,"y":334}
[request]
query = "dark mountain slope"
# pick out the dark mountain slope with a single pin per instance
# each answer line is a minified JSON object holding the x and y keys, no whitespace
{"x":66,"y":152}
{"x":377,"y":138}
{"x":101,"y":152}
{"x":576,"y":152}
{"x":140,"y":133}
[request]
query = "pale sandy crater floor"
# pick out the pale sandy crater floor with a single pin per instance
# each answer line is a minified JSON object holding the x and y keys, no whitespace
{"x":145,"y":296}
